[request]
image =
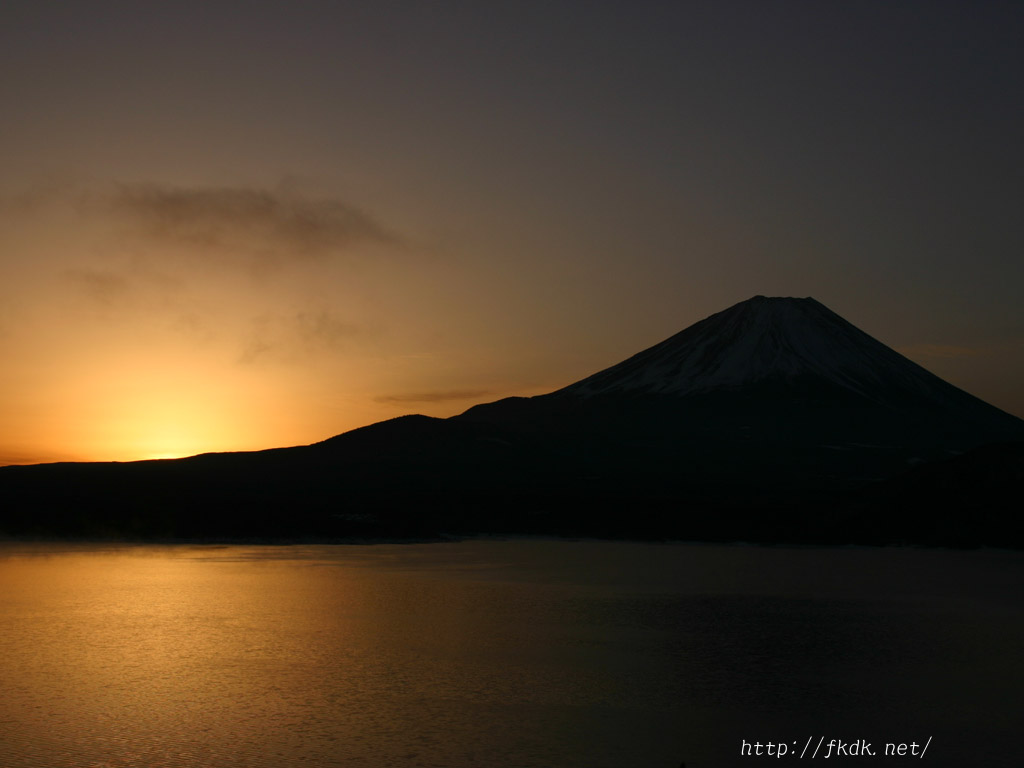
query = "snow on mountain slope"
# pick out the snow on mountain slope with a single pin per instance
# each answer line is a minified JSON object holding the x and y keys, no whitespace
{"x":771,"y":340}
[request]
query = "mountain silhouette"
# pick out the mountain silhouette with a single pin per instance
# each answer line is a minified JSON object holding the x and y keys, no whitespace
{"x":773,"y":420}
{"x":783,"y":340}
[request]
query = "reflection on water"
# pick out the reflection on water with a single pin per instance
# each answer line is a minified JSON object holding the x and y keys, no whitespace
{"x":500,"y":653}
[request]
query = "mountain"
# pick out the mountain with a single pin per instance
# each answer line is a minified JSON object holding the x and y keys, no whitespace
{"x":781,"y":340}
{"x":774,"y":392}
{"x":786,"y":345}
{"x":773,"y":420}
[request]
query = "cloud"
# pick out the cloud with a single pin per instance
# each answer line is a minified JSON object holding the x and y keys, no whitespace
{"x":290,"y":337}
{"x":324,"y":328}
{"x":939,"y":350}
{"x":277,"y":224}
{"x":101,"y":286}
{"x":29,"y":202}
{"x":433,"y":397}
{"x":128,"y":287}
{"x":260,"y":272}
{"x":268,"y":225}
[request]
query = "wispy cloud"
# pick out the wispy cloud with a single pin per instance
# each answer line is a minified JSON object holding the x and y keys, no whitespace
{"x":274,"y":223}
{"x":102,"y":286}
{"x":264,"y":274}
{"x":324,"y":328}
{"x":433,"y":397}
{"x":30,"y":201}
{"x":299,"y":335}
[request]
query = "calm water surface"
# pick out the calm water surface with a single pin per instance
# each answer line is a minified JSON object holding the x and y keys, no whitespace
{"x":502,"y":653}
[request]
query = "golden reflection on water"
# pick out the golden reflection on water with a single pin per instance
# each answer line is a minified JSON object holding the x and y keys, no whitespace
{"x":168,"y":652}
{"x":492,"y":653}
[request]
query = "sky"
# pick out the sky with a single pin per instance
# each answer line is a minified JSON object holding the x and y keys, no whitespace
{"x":234,"y":226}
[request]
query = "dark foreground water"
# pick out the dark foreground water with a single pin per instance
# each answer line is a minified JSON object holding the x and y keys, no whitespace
{"x":505,"y":653}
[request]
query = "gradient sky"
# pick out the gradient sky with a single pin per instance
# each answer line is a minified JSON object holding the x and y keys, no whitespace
{"x":242,"y":225}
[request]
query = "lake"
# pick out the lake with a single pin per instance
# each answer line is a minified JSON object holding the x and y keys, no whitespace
{"x":504,"y":654}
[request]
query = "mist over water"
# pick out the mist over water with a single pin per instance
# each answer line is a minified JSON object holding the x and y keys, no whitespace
{"x":501,"y":653}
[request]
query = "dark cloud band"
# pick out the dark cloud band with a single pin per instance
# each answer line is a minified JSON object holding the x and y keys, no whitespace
{"x":274,"y":222}
{"x":433,"y":397}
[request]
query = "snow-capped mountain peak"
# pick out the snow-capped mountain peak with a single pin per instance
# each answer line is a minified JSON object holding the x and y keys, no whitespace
{"x":766,"y":340}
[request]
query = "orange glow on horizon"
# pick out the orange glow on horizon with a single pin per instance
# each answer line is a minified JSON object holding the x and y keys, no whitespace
{"x":109,"y":406}
{"x":112,"y":408}
{"x":125,"y":341}
{"x":156,"y":413}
